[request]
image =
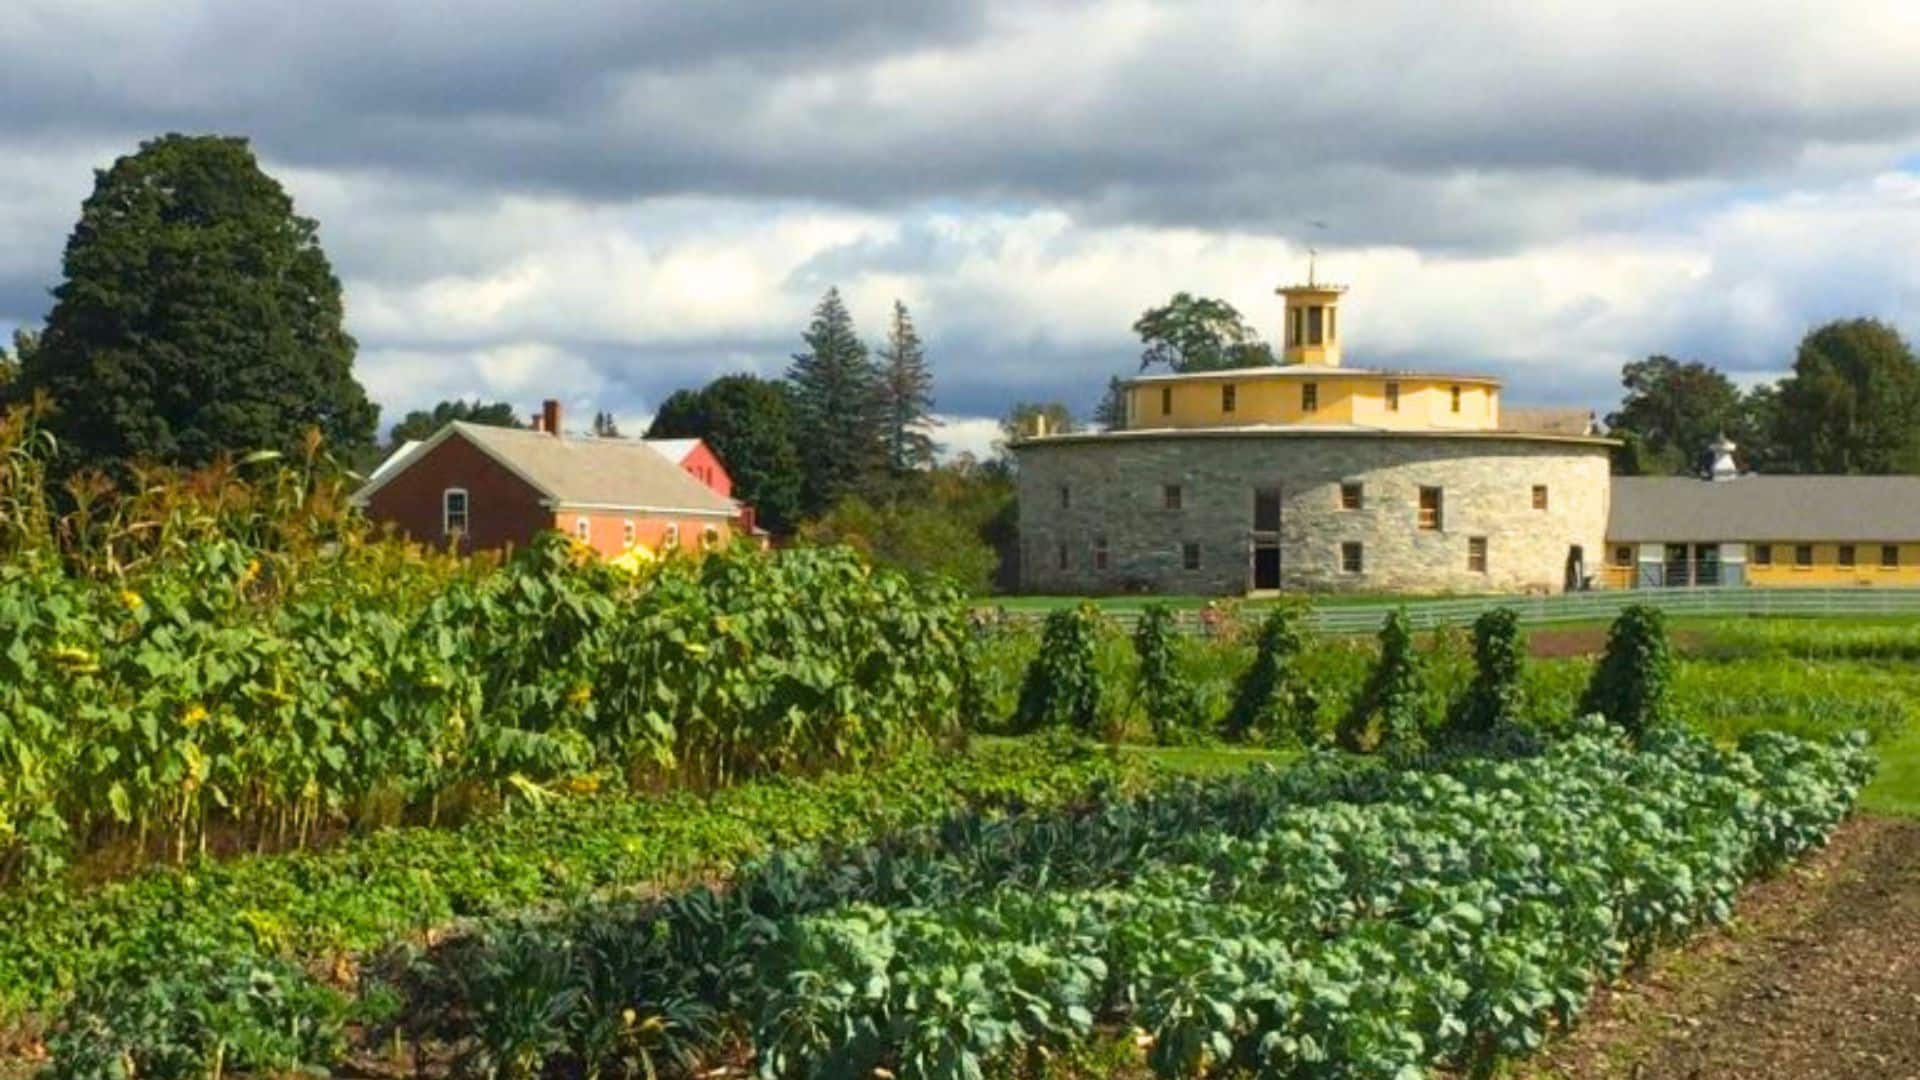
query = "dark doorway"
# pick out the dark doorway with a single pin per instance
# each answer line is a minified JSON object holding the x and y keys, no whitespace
{"x":1266,"y":567}
{"x":1576,"y":569}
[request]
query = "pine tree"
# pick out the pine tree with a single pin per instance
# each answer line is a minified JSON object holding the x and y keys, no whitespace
{"x":839,"y":406}
{"x":906,"y":387}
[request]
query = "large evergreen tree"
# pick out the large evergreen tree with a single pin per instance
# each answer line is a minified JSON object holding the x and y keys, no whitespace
{"x":906,"y":387}
{"x":421,"y":423}
{"x":749,"y":424}
{"x":839,"y":405}
{"x":198,"y":316}
{"x":1852,"y":404}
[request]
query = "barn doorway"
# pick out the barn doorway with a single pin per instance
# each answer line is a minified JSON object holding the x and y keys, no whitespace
{"x":1266,"y":539}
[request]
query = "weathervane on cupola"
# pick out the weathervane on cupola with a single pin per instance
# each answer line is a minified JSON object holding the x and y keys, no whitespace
{"x":1312,"y":318}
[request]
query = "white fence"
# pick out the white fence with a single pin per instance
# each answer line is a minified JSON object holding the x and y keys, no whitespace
{"x":1597,"y":606}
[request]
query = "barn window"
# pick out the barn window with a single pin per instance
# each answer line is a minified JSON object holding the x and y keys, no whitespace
{"x":1228,"y":398}
{"x":1170,"y":496}
{"x":1166,"y":401}
{"x":1190,"y":555}
{"x":1060,"y":555}
{"x":1477,"y":554}
{"x":1846,"y":556}
{"x":1393,"y":397}
{"x":1763,"y":554}
{"x":1309,"y":397}
{"x":1430,"y":508}
{"x":670,"y":536}
{"x":1066,"y":497}
{"x":1099,"y":553}
{"x":583,"y":528}
{"x":1454,"y":392}
{"x":1352,"y":558}
{"x":1539,"y":496}
{"x":1352,"y":496}
{"x":453,"y":511}
{"x":1889,"y":555}
{"x":710,"y":536}
{"x":1803,"y":555}
{"x":1623,"y":554}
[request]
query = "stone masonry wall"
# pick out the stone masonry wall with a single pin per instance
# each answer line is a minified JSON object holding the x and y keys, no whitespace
{"x":1115,"y":489}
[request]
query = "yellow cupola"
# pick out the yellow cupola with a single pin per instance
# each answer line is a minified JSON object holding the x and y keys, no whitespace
{"x":1312,"y":329}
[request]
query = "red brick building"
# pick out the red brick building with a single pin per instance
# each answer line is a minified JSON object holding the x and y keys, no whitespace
{"x":490,"y":487}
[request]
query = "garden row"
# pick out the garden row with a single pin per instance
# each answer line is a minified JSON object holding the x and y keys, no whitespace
{"x":221,"y":698}
{"x":174,"y":940}
{"x":1340,"y":918}
{"x":1272,"y":682}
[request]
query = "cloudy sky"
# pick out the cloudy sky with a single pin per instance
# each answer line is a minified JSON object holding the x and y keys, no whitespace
{"x":603,"y":200}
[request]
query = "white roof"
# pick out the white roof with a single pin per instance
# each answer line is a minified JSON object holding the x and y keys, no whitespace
{"x":676,"y":450}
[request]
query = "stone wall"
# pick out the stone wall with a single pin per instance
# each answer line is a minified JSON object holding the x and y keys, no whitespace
{"x":1116,"y":490}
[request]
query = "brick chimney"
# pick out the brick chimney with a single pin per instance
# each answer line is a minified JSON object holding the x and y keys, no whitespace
{"x":550,"y":416}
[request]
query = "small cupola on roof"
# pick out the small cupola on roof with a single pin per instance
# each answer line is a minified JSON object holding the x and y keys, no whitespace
{"x":1312,"y":329}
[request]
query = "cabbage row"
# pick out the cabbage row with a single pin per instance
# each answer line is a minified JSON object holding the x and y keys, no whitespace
{"x":1336,"y":919}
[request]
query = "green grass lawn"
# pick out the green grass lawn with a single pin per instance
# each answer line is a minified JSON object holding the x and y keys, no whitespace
{"x":1896,"y":787}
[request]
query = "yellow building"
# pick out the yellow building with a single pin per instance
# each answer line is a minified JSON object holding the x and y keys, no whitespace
{"x":1764,"y":531}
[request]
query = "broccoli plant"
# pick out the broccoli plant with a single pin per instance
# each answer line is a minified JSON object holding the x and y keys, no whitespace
{"x":1630,"y":687}
{"x":1274,"y":697}
{"x":1171,"y":702}
{"x":1062,"y":685}
{"x":1388,"y":713}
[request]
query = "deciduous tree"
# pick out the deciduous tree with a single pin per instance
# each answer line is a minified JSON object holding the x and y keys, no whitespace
{"x":749,"y":423}
{"x":197,"y":316}
{"x":1852,"y":404}
{"x":422,"y":423}
{"x":1198,"y":333}
{"x":1673,"y":410}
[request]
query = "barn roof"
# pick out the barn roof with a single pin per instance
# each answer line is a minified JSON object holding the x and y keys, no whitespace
{"x":578,"y":471}
{"x":1648,"y":509}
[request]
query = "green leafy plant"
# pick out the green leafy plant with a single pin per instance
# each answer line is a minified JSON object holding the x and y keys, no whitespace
{"x":1062,"y":686}
{"x":1632,"y":685}
{"x":1274,"y":696}
{"x":1495,"y":698}
{"x":1162,"y":689}
{"x":1388,"y":715}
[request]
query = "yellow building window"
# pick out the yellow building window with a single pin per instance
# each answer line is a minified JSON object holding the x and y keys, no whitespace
{"x":1309,"y":397}
{"x":1351,"y":496}
{"x":1228,"y":397}
{"x":1846,"y":556}
{"x":1763,"y":554}
{"x":1455,"y":392}
{"x":1393,"y":397}
{"x":1477,"y":554}
{"x":1430,"y":508}
{"x":1539,"y":496}
{"x":1315,"y":316}
{"x":1803,"y":556}
{"x":1889,"y":556}
{"x":1166,"y":401}
{"x":1623,"y":554}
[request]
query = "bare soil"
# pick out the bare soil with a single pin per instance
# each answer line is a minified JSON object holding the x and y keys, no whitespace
{"x":1817,"y":976}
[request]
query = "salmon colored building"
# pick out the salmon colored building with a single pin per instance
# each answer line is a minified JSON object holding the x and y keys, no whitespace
{"x":483,"y":487}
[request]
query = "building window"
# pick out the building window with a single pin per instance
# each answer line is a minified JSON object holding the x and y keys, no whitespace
{"x":1315,"y":316}
{"x":1351,"y":496}
{"x":1170,"y":496}
{"x":1393,"y":397}
{"x":1060,"y":555}
{"x":1228,"y":396}
{"x":583,"y":528}
{"x":1454,"y":392}
{"x":1803,"y":555}
{"x":1623,"y":555}
{"x":1889,"y":556}
{"x":1166,"y":401}
{"x":670,"y":537}
{"x":1430,"y":508}
{"x":1309,"y":397}
{"x":1477,"y":554}
{"x":1294,"y":317}
{"x":626,"y":532}
{"x":1763,"y":554}
{"x":1539,"y":496}
{"x":1352,"y":559}
{"x":1846,"y":556}
{"x":710,"y":537}
{"x":1331,"y":312}
{"x":453,"y":511}
{"x":1266,"y":509}
{"x":1066,"y":497}
{"x":1099,"y":553}
{"x":1190,"y":555}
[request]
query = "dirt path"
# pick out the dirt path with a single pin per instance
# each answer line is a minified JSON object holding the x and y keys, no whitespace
{"x":1819,"y":976}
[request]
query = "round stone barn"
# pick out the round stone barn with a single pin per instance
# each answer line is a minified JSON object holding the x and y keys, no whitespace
{"x":1310,"y":475}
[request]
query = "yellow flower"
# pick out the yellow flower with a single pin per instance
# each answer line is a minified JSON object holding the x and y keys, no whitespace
{"x":580,"y":695}
{"x":132,"y":600}
{"x":252,"y":571}
{"x":193,"y":716}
